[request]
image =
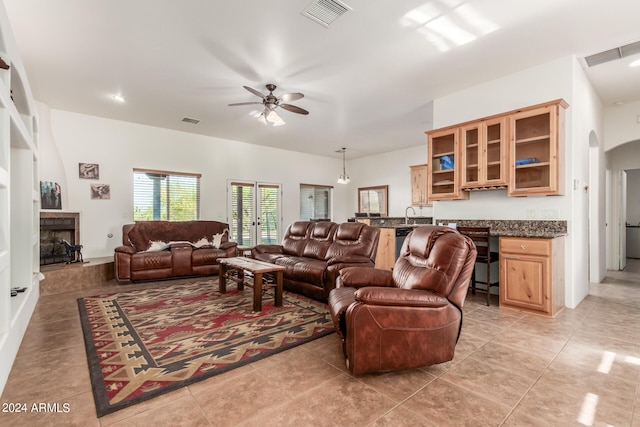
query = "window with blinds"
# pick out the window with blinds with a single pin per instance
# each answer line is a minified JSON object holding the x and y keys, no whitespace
{"x":168,"y":196}
{"x":315,"y":202}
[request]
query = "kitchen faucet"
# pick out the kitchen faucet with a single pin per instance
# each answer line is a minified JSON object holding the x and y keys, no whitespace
{"x":406,"y":216}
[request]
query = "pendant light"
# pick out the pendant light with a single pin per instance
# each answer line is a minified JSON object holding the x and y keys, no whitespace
{"x":344,"y":178}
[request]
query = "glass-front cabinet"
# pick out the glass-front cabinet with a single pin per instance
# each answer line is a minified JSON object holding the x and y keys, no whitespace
{"x":444,"y":165}
{"x":520,"y":150}
{"x":484,"y":149}
{"x":536,"y":153}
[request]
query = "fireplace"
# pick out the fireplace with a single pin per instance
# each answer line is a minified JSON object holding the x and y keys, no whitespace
{"x":55,"y":227}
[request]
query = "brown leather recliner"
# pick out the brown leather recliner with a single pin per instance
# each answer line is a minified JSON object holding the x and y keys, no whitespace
{"x":411,"y":316}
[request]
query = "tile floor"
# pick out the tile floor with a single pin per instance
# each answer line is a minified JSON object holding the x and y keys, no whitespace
{"x":510,"y":369}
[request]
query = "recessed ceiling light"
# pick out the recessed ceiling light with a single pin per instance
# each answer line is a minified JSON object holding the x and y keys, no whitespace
{"x":635,"y":63}
{"x":118,"y":98}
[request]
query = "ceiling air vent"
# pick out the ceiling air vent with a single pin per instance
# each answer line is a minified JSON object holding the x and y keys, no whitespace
{"x":190,"y":120}
{"x":613,"y":54}
{"x":324,"y":12}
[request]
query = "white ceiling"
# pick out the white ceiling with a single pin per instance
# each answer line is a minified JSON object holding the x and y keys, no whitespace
{"x":368,"y":78}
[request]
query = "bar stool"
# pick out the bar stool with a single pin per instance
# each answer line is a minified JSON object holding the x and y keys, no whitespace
{"x":481,"y":238}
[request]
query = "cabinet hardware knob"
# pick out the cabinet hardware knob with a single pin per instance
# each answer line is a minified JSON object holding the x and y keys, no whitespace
{"x":522,"y":246}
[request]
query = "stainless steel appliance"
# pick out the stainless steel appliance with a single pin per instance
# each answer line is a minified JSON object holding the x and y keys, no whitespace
{"x":401,"y":234}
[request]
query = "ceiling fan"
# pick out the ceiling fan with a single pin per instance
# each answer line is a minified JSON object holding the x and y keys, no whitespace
{"x":271,"y":102}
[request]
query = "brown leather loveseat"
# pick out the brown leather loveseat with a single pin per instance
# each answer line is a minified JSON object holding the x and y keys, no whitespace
{"x":315,"y":252}
{"x":411,"y":316}
{"x":167,"y":249}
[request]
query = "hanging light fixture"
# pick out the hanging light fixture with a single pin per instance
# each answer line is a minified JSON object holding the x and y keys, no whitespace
{"x":344,"y":178}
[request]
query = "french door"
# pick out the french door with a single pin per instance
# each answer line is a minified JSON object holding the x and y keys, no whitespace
{"x":254,"y":212}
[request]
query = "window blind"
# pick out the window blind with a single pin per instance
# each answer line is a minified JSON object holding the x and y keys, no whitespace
{"x":315,"y":202}
{"x":163,"y":195}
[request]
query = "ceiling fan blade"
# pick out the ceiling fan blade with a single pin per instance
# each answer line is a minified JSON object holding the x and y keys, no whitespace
{"x":244,"y":103}
{"x":253,"y":91}
{"x":291,"y":96}
{"x":294,"y":109}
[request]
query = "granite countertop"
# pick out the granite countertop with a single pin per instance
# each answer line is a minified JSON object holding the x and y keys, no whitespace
{"x":398,"y":221}
{"x":515,"y":228}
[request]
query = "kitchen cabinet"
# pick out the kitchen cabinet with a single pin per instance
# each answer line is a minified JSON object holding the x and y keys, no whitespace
{"x":532,"y":274}
{"x":419,"y":183}
{"x":484,"y":154}
{"x":444,"y":165}
{"x":520,"y":150}
{"x":386,"y":255}
{"x":537,"y":140}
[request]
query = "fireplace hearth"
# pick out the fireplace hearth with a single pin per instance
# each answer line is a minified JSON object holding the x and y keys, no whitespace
{"x":55,"y":227}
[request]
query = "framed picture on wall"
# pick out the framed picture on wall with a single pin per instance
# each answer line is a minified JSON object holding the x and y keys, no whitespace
{"x":50,"y":195}
{"x":88,"y":171}
{"x":100,"y":191}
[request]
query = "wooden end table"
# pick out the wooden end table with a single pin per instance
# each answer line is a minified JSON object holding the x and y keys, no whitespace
{"x":257,"y":269}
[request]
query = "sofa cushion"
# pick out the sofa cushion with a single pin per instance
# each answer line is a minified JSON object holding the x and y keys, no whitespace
{"x":206,"y":256}
{"x":295,"y":238}
{"x":151,"y":260}
{"x":352,"y":238}
{"x":320,"y":239}
{"x":311,"y":271}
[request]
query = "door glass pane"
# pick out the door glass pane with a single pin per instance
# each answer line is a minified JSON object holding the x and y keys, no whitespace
{"x":242,"y":213}
{"x":269,"y":214}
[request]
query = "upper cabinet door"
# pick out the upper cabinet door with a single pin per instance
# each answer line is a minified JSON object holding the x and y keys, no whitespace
{"x":537,"y":140}
{"x":484,"y":154}
{"x":419,"y":183}
{"x":444,"y":165}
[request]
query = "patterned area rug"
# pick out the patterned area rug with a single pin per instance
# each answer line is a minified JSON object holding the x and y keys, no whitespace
{"x":144,"y":343}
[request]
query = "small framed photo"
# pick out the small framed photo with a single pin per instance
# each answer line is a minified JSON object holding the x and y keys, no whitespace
{"x":100,"y":191}
{"x":88,"y":171}
{"x":50,"y":195}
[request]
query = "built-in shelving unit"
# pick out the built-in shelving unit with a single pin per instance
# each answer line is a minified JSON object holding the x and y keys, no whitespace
{"x":19,"y":200}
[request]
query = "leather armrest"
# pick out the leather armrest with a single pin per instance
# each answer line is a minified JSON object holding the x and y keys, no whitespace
{"x":358,"y":277}
{"x":349,"y":259}
{"x":268,"y":249}
{"x":126,"y":249}
{"x":400,"y":297}
{"x":227,"y":245}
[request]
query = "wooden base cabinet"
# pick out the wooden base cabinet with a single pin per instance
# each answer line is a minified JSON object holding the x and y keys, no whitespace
{"x":532,"y":274}
{"x":386,"y":255}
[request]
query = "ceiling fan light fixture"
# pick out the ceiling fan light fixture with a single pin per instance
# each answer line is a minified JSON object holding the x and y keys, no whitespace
{"x":270,"y":117}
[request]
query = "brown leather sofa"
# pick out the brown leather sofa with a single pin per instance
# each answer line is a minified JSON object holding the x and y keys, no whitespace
{"x":411,"y":316}
{"x":315,"y":252}
{"x":167,"y":249}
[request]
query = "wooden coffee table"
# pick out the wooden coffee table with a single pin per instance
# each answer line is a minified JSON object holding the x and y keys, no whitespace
{"x":257,"y":269}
